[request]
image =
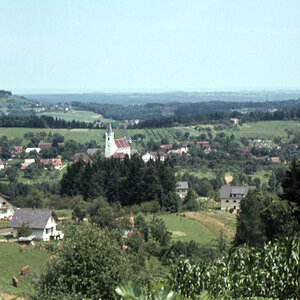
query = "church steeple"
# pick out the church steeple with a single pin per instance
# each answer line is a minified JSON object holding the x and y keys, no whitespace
{"x":110,"y":146}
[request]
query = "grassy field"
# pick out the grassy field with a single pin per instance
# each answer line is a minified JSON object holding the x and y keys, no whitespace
{"x":78,"y":115}
{"x":186,"y":229}
{"x":264,"y":130}
{"x":11,"y":262}
{"x":215,"y":221}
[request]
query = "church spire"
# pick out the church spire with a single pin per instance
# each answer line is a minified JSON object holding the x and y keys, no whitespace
{"x":109,"y":129}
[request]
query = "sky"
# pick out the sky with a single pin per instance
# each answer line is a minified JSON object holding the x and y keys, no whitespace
{"x":149,"y":45}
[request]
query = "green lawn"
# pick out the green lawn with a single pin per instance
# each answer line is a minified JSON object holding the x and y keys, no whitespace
{"x":3,"y":224}
{"x":264,"y":129}
{"x":11,"y":262}
{"x":186,"y":229}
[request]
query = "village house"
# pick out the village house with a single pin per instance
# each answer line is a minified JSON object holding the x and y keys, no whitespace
{"x":56,"y":163}
{"x":91,"y":151}
{"x":6,"y":208}
{"x":17,"y":149}
{"x":28,"y":150}
{"x":182,"y":188}
{"x":43,"y":223}
{"x":275,"y":159}
{"x":81,"y":156}
{"x":187,"y":143}
{"x":231,"y":196}
{"x":154,"y":156}
{"x":27,"y":162}
{"x":204,"y":145}
{"x":166,"y":148}
{"x":45,"y":145}
{"x":179,"y":151}
{"x":234,"y":121}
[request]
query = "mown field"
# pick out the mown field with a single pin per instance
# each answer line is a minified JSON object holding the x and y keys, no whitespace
{"x":202,"y":226}
{"x":78,"y":115}
{"x":258,"y":130}
{"x":11,"y":262}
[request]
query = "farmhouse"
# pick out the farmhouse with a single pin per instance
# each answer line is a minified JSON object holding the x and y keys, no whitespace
{"x":113,"y":145}
{"x":182,"y":188}
{"x":154,"y":156}
{"x":54,"y":162}
{"x":231,"y":196}
{"x":6,"y":208}
{"x":43,"y":223}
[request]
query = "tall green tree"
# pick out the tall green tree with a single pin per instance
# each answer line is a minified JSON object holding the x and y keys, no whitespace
{"x":90,"y":265}
{"x":250,"y":227}
{"x":291,"y":186}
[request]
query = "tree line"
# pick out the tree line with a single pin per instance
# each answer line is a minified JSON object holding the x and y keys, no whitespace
{"x":41,"y":122}
{"x":127,"y":182}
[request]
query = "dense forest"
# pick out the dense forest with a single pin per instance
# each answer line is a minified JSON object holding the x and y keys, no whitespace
{"x":156,"y":110}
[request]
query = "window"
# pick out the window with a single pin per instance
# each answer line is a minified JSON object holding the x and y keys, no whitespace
{"x":227,"y":201}
{"x":234,"y":201}
{"x":3,"y":203}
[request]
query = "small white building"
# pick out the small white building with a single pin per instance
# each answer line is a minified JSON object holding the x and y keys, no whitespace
{"x":28,"y":150}
{"x":6,"y":208}
{"x":154,"y":156}
{"x":43,"y":223}
{"x":27,"y":162}
{"x":1,"y":164}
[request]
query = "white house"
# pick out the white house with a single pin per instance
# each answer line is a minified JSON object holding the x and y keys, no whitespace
{"x":43,"y":223}
{"x":231,"y":196}
{"x":1,"y":164}
{"x":153,"y":156}
{"x":28,"y":150}
{"x":27,"y":162}
{"x":6,"y":208}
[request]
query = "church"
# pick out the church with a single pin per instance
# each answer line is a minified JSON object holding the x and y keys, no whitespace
{"x":115,"y":147}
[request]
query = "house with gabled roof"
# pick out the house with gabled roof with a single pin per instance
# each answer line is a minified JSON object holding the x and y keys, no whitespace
{"x":182,"y":188}
{"x":231,"y":196}
{"x":45,"y":145}
{"x":6,"y":208}
{"x":42,"y":222}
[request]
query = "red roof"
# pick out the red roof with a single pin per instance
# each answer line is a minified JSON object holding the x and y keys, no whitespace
{"x":45,"y":145}
{"x":187,"y":143}
{"x":51,"y":161}
{"x":121,"y":143}
{"x":18,"y":148}
{"x":204,"y":144}
{"x":275,"y":159}
{"x":166,"y":147}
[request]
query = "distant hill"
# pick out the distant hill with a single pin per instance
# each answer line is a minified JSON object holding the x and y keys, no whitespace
{"x":162,"y":98}
{"x":15,"y":105}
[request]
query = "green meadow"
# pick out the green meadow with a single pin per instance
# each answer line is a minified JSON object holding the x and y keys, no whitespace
{"x":186,"y":229}
{"x":11,"y":262}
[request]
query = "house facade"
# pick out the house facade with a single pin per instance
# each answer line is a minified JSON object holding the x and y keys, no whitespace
{"x":231,"y":196}
{"x":182,"y":188}
{"x":6,"y":208}
{"x":43,"y":223}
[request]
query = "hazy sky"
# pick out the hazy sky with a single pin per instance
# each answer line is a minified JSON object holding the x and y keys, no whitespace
{"x":147,"y":44}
